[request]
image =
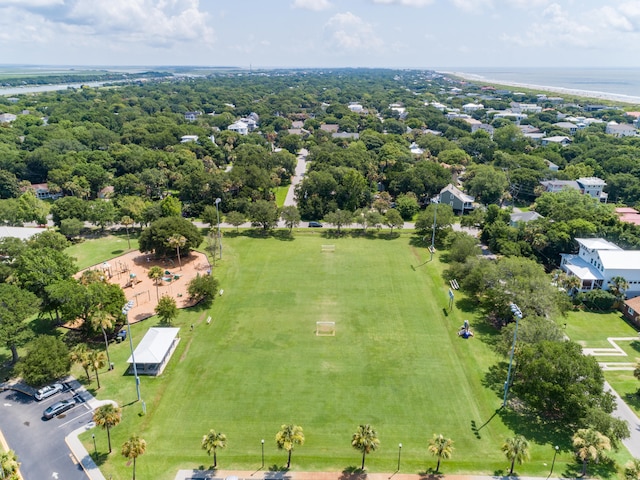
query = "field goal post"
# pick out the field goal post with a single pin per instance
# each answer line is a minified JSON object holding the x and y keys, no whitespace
{"x":328,"y":248}
{"x":326,"y":329}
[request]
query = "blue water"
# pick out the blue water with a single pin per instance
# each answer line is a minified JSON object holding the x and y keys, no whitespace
{"x":611,"y":81}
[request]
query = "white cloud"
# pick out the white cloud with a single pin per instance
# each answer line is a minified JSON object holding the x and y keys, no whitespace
{"x":614,"y":19}
{"x":405,"y":3}
{"x":527,"y":4}
{"x":315,"y":5}
{"x":473,"y":6}
{"x":145,"y":22}
{"x":556,"y":28}
{"x":350,"y":32}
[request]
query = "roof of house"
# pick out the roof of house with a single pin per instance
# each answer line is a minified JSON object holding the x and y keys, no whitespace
{"x":557,"y":139}
{"x":525,"y":216}
{"x":595,"y":181}
{"x":620,"y":259}
{"x":154,"y":345}
{"x":561,"y":184}
{"x":633,"y":303}
{"x":456,"y":192}
{"x":329,"y":127}
{"x":23,"y":233}
{"x":597,"y":244}
{"x":580,"y":268}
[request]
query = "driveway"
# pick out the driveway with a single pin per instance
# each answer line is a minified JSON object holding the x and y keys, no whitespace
{"x":40,"y":444}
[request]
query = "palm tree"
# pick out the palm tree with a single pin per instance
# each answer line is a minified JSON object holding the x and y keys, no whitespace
{"x":156,"y":273}
{"x":177,"y":241}
{"x":632,"y":469}
{"x":212,"y":441}
{"x":9,"y":465}
{"x":617,"y":286}
{"x":80,"y":354}
{"x":104,"y":320}
{"x":517,"y":450}
{"x":440,"y":447}
{"x":590,"y":446}
{"x":127,"y":221}
{"x":132,"y":449}
{"x":97,"y":360}
{"x":289,"y":436}
{"x":107,"y":416}
{"x":366,"y":440}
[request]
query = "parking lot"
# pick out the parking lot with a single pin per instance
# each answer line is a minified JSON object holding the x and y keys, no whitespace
{"x":39,"y":443}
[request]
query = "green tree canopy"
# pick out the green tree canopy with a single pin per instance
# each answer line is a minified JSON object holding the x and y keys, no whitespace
{"x":47,"y":359}
{"x":154,"y":238}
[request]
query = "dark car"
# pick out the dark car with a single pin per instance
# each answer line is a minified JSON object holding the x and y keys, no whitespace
{"x":49,"y":390}
{"x":315,"y":224}
{"x":121,"y":336}
{"x":58,"y":408}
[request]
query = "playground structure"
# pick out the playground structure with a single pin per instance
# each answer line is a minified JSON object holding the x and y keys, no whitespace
{"x":465,"y":330}
{"x":131,"y":270}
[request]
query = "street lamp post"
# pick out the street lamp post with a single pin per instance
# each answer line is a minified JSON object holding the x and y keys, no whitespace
{"x":218,"y":200}
{"x":555,"y":454}
{"x":399,"y":452}
{"x":95,"y":448}
{"x":125,"y":311}
{"x":262,"y":442}
{"x":435,"y":201}
{"x":518,"y":314}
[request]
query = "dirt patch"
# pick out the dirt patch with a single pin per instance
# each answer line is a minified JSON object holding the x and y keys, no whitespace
{"x":130,"y":271}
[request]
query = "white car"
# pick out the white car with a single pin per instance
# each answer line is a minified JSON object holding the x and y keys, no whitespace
{"x":49,"y":390}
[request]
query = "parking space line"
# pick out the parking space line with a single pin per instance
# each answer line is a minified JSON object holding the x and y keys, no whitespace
{"x":76,"y":417}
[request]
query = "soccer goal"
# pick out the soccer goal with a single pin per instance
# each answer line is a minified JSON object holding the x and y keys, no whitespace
{"x":328,"y":248}
{"x":326,"y":329}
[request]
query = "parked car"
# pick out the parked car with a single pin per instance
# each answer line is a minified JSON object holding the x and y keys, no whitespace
{"x":48,"y":391}
{"x":121,"y":336}
{"x":58,"y":408}
{"x":315,"y":224}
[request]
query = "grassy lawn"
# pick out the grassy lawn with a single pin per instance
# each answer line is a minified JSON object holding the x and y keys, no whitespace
{"x":396,"y":362}
{"x":281,"y":195}
{"x":93,"y":251}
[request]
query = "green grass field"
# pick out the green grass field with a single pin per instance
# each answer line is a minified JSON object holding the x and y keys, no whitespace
{"x":396,"y":362}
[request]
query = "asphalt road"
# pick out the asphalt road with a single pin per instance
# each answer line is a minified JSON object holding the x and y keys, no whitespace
{"x":40,"y":443}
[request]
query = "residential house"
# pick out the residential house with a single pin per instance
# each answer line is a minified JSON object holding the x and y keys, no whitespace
{"x":598,"y":261}
{"x":621,"y":129}
{"x":415,"y":149}
{"x":525,"y":107}
{"x":515,"y":116}
{"x":628,"y":215}
{"x":356,"y":107}
{"x":192,"y":116}
{"x":189,"y":138}
{"x":7,"y":117}
{"x":523,"y":217}
{"x":472,"y":107}
{"x":459,"y":201}
{"x":329,"y":127}
{"x":347,"y":135}
{"x":557,"y":139}
{"x":239,"y":127}
{"x":554,"y":186}
{"x":631,"y":310}
{"x":552,"y":166}
{"x":42,"y":191}
{"x":572,"y":127}
{"x":593,"y":186}
{"x":483,"y":126}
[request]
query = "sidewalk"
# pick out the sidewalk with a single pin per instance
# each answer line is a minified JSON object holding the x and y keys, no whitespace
{"x":266,"y":475}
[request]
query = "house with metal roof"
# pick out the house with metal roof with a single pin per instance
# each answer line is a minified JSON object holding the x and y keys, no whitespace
{"x":598,"y":261}
{"x":459,"y":201}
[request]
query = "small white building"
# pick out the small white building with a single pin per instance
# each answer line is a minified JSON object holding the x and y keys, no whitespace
{"x":189,"y":138}
{"x":155,"y":350}
{"x":593,"y":186}
{"x":472,"y":107}
{"x":7,"y":117}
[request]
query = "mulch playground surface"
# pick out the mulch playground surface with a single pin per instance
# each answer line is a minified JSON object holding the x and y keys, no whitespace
{"x":130,"y":271}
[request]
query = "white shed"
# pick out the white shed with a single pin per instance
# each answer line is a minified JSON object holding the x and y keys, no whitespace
{"x":154,"y":350}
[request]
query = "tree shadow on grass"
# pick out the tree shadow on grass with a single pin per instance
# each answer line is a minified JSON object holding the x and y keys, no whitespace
{"x":466,"y":305}
{"x":99,"y":458}
{"x":389,"y":235}
{"x":430,"y":474}
{"x":538,"y":429}
{"x":277,"y":469}
{"x":606,"y":468}
{"x":283,"y":235}
{"x":353,"y":473}
{"x":632,"y":399}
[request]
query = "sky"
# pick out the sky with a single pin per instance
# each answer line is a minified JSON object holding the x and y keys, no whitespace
{"x":322,"y":33}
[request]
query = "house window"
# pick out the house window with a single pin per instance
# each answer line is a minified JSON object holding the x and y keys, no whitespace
{"x":631,"y":311}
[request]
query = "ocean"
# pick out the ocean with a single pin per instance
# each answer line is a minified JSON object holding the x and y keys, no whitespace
{"x":602,"y":82}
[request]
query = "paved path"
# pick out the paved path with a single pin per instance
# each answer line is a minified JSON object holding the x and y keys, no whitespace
{"x":624,"y":412}
{"x":291,"y":475}
{"x":301,"y":168}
